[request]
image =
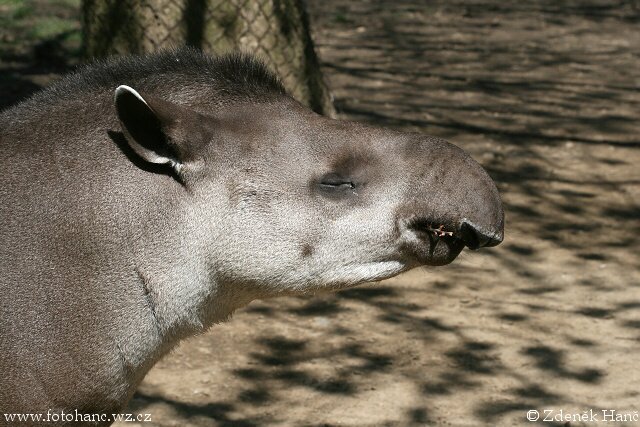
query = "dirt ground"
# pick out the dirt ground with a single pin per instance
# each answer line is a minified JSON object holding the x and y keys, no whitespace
{"x":546,"y":96}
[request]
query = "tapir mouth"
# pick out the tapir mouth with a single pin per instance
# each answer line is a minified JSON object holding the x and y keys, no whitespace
{"x":472,"y":235}
{"x":440,"y":242}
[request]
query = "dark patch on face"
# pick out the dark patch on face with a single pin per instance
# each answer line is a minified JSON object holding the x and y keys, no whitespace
{"x":352,"y":164}
{"x":307,"y":250}
{"x":347,"y":177}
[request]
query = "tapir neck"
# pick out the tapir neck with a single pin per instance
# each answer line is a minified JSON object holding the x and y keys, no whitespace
{"x":175,"y":269}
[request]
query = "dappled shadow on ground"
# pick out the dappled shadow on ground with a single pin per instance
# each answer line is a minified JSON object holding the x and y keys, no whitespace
{"x":346,"y":361}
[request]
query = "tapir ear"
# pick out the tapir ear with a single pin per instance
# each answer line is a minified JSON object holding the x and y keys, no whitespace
{"x":157,"y":130}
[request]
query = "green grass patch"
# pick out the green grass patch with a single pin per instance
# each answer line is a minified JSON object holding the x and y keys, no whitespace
{"x":26,"y":23}
{"x":341,"y":18}
{"x":47,"y":28}
{"x":12,"y":11}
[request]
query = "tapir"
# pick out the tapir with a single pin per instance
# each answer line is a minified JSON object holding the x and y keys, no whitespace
{"x":146,"y":198}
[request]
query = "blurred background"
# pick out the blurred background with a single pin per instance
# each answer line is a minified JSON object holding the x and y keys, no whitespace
{"x":544,"y":94}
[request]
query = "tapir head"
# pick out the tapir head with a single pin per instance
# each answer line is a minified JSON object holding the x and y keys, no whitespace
{"x":292,"y":202}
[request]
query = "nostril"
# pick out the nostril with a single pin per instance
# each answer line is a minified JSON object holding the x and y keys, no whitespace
{"x":475,"y":238}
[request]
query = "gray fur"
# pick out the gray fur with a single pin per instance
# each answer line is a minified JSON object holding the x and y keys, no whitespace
{"x":109,"y":258}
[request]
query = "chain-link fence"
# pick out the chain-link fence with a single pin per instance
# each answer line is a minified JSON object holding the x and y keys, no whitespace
{"x":275,"y":30}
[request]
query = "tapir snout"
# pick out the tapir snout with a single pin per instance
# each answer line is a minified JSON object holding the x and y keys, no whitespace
{"x":452,"y":203}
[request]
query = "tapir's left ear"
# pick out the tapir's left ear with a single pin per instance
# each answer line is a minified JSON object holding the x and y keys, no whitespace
{"x":160,"y":131}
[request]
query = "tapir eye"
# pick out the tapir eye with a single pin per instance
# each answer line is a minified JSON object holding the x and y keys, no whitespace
{"x":335,"y":180}
{"x":334,"y":184}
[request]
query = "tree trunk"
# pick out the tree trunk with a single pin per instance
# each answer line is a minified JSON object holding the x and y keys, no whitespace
{"x":275,"y":30}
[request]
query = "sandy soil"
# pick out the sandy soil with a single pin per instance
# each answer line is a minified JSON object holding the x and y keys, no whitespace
{"x":546,"y":96}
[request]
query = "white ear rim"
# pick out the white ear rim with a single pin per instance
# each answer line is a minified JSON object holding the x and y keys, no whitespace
{"x":124,"y":88}
{"x":146,"y":154}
